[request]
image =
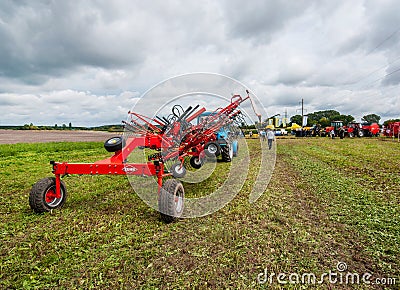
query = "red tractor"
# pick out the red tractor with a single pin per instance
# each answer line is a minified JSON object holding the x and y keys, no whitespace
{"x":335,"y":129}
{"x":354,"y":129}
{"x":351,"y":130}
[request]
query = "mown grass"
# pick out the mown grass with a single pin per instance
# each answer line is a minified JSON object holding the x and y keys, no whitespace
{"x":359,"y":182}
{"x":328,"y":201}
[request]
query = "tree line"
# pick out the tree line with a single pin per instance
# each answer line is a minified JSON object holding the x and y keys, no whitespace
{"x":31,"y":126}
{"x":324,"y":118}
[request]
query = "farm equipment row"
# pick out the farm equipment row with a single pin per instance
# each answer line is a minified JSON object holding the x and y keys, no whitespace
{"x":337,"y":128}
{"x":173,"y":138}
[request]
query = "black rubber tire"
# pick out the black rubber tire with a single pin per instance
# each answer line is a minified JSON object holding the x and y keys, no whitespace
{"x":171,"y":200}
{"x":196,"y":162}
{"x":40,"y":190}
{"x":178,"y":170}
{"x":227,"y":153}
{"x":351,"y":135}
{"x":212,"y":149}
{"x":113,"y":144}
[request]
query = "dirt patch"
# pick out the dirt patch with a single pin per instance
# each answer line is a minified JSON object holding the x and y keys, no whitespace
{"x":43,"y":136}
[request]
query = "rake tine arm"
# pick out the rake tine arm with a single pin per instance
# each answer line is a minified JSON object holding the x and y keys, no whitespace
{"x":195,"y":115}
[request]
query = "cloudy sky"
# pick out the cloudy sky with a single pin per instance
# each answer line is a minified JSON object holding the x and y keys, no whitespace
{"x":86,"y":62}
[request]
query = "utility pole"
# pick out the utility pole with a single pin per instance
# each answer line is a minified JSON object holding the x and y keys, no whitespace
{"x":285,"y":120}
{"x":302,"y":111}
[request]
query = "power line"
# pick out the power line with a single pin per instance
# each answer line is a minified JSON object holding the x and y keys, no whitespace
{"x":386,"y":39}
{"x":366,"y":86}
{"x":371,"y":73}
{"x":376,"y":47}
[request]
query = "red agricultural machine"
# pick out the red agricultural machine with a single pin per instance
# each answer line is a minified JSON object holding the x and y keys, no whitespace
{"x":174,"y":138}
{"x":351,"y":130}
{"x":392,"y":129}
{"x":370,"y":129}
{"x":336,"y":129}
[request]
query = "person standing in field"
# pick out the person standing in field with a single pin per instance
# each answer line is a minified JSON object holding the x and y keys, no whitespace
{"x":270,"y":138}
{"x":263,"y":135}
{"x":332,"y":133}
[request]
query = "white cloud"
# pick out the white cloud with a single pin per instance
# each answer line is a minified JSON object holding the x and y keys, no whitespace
{"x":87,"y":62}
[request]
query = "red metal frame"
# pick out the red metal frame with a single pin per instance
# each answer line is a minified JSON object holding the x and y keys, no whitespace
{"x":175,"y":140}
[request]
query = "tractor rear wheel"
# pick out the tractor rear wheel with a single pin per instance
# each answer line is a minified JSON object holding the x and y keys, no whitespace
{"x":171,"y":200}
{"x":42,"y":197}
{"x":227,"y":153}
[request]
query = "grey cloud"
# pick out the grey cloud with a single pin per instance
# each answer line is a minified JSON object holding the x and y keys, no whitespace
{"x":52,"y":38}
{"x":392,"y":76}
{"x":384,"y":25}
{"x":80,"y":108}
{"x":79,"y":57}
{"x":259,"y":20}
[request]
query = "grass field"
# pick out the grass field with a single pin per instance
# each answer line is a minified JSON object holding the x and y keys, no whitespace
{"x":328,"y":201}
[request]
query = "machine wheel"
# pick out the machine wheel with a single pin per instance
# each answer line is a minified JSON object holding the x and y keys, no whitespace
{"x":360,"y":133}
{"x":178,"y":170}
{"x":42,"y":197}
{"x":113,"y":144}
{"x":212,"y":149}
{"x":196,"y":162}
{"x":227,"y":153}
{"x":351,"y":135}
{"x":171,"y":200}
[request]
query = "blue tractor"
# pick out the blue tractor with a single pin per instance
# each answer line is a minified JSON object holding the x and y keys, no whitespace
{"x":226,"y":144}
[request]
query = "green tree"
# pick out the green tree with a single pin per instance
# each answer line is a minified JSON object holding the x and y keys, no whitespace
{"x":344,"y":118}
{"x":296,"y":119}
{"x":324,"y":122}
{"x":315,"y":117}
{"x":390,"y":121}
{"x":371,"y":118}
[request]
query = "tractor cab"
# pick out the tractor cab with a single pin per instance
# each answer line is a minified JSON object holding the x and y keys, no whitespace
{"x":355,"y":129}
{"x":337,"y":128}
{"x":337,"y":125}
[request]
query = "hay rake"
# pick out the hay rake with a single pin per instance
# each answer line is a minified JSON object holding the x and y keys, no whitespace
{"x":173,"y":137}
